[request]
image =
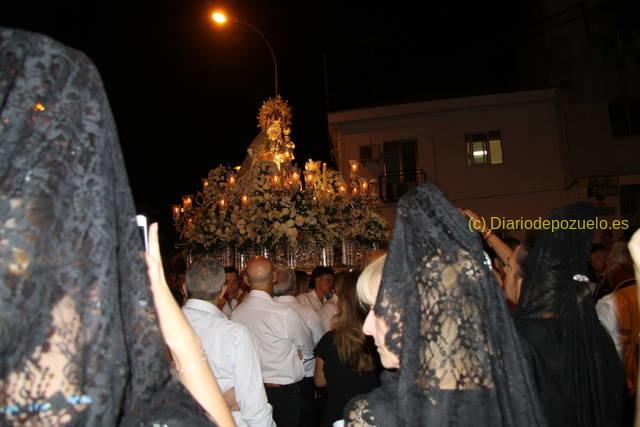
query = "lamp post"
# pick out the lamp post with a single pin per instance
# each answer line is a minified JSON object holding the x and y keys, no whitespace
{"x":220,"y":18}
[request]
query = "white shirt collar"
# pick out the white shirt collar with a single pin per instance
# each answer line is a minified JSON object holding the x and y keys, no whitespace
{"x":286,"y":298}
{"x":202,"y":305}
{"x":315,"y":295}
{"x":260,"y":294}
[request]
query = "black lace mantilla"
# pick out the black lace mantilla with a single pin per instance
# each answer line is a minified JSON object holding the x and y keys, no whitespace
{"x":79,"y":337}
{"x":460,"y":359}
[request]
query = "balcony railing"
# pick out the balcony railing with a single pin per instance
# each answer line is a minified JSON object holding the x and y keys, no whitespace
{"x":394,"y":184}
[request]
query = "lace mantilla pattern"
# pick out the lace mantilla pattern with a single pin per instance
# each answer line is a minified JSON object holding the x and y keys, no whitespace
{"x":79,"y":337}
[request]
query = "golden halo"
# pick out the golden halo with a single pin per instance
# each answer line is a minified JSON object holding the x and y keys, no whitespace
{"x":274,"y":109}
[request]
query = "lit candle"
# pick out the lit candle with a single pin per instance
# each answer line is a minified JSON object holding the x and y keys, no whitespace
{"x":276,"y":181}
{"x":309,"y":179}
{"x":324,"y":175}
{"x":244,"y":200}
{"x":364,"y":186}
{"x":176,"y":212}
{"x":342,"y":188}
{"x":354,"y":166}
{"x":187,"y":202}
{"x":232,"y":180}
{"x":295,"y":176}
{"x":205,"y":183}
{"x":222,"y":203}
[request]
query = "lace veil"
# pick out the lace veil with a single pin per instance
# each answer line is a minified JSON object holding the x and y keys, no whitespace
{"x":460,"y":359}
{"x":574,"y":361}
{"x":79,"y":337}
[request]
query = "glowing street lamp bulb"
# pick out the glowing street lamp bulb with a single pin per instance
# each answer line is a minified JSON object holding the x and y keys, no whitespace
{"x":219,"y":17}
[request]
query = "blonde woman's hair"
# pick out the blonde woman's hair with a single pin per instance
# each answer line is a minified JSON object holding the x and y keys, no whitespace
{"x":372,"y":273}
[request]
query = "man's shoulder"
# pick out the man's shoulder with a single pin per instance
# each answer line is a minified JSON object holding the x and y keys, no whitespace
{"x":198,"y":316}
{"x":305,"y":310}
{"x":240,"y":332}
{"x":229,"y":332}
{"x":328,"y":306}
{"x":626,"y":296}
{"x":253,"y":308}
{"x":284,"y":309}
{"x":303,"y":297}
{"x":606,"y":299}
{"x":213,"y":324}
{"x":291,"y":314}
{"x":617,"y":300}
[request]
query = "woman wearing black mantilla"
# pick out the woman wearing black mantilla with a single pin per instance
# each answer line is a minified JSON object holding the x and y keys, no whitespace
{"x":440,"y":318}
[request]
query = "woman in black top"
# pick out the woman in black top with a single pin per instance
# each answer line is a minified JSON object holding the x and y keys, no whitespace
{"x":345,"y":360}
{"x":575,"y":366}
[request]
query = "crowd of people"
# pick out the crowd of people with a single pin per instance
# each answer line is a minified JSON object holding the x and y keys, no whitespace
{"x":447,"y":327}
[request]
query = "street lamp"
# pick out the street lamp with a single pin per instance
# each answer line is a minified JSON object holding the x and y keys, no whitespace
{"x":220,"y":18}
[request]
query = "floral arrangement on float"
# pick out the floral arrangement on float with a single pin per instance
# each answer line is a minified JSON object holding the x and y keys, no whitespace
{"x":269,"y":207}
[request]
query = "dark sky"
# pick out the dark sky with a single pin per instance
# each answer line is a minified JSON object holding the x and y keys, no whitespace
{"x":185,"y":95}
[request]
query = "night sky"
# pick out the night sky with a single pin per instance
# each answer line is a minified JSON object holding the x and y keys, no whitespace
{"x":185,"y":94}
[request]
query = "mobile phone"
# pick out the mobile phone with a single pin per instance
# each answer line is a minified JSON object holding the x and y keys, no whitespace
{"x":141,"y":222}
{"x":487,"y":260}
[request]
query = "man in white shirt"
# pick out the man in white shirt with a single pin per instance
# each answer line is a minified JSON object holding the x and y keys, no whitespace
{"x":283,"y":294}
{"x":229,"y":346}
{"x":232,"y":283}
{"x":321,"y":284}
{"x":619,"y":311}
{"x":282,"y":339}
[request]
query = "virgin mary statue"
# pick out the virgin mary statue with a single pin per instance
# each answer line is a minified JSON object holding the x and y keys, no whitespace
{"x":273,"y":143}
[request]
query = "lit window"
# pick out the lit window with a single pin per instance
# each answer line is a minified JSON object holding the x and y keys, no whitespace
{"x":484,"y":148}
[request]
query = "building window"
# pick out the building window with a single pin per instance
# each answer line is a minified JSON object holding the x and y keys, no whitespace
{"x":484,"y":148}
{"x":400,"y":173}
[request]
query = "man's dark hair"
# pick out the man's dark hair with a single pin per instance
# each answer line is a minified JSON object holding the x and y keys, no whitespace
{"x":317,"y":272}
{"x":231,"y":269}
{"x":205,"y":278}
